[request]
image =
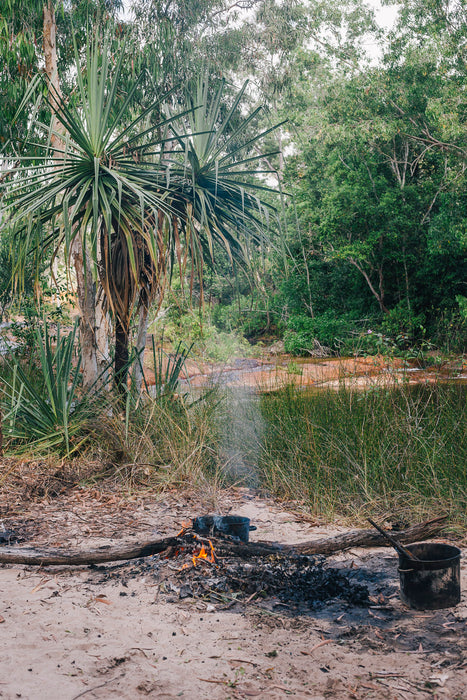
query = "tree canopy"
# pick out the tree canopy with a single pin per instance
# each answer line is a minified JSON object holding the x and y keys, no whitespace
{"x":369,"y":157}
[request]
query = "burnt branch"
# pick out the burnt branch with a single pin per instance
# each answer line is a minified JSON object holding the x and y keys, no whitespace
{"x":125,"y":551}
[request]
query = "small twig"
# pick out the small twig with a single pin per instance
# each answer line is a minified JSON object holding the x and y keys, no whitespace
{"x":85,"y":520}
{"x":385,"y":674}
{"x":317,"y":646}
{"x":90,"y":690}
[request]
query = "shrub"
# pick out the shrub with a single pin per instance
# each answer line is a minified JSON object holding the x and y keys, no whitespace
{"x":47,"y":415}
{"x":327,"y":329}
{"x":405,"y":327}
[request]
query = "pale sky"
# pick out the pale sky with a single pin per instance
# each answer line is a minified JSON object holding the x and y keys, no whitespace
{"x":385,"y":16}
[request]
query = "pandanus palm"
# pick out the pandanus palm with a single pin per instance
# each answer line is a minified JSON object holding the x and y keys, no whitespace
{"x":136,"y":204}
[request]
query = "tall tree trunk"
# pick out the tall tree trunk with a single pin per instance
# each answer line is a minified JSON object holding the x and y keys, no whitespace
{"x":84,"y":284}
{"x":121,"y":356}
{"x":86,"y":301}
{"x":51,"y":69}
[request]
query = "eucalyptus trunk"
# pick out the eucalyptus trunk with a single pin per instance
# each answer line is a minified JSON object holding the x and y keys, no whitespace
{"x":86,"y":296}
{"x":103,"y":333}
{"x":85,"y":288}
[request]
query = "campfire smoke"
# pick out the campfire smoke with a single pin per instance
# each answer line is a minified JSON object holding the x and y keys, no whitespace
{"x":242,"y":431}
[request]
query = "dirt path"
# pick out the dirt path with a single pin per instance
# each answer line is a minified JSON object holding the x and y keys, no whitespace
{"x":109,"y":632}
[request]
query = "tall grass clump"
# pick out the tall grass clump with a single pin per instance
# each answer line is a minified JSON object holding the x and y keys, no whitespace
{"x":349,"y":451}
{"x":160,"y":441}
{"x":162,"y":436}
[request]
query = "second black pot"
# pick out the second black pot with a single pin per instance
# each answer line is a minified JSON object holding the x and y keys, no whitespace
{"x":231,"y":525}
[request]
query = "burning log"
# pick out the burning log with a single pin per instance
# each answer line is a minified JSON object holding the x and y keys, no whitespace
{"x":125,"y":551}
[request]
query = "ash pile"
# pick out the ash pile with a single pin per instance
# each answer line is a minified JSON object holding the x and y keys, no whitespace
{"x":298,"y":582}
{"x":205,"y":570}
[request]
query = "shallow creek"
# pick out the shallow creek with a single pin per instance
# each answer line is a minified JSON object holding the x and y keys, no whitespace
{"x":270,"y":373}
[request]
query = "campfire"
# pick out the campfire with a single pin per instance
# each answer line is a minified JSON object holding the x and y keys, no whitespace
{"x":211,"y":568}
{"x":212,"y":559}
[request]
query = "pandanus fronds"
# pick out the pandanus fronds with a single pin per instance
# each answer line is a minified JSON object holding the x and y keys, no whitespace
{"x":140,"y":191}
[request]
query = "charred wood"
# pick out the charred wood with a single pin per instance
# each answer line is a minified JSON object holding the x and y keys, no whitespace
{"x":125,"y":551}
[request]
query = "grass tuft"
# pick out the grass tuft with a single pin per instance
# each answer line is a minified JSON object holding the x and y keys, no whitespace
{"x":160,"y":442}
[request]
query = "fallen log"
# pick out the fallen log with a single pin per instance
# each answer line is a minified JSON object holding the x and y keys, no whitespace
{"x":126,"y":551}
{"x":347,"y":540}
{"x":106,"y":553}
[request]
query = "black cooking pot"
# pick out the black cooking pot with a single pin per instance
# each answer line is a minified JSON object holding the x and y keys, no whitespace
{"x":231,"y":525}
{"x":433,"y":581}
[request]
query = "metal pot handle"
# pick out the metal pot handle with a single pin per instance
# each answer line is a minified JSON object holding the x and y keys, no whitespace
{"x":253,"y":527}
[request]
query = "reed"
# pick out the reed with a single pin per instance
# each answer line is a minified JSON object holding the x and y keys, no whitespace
{"x":396,"y":450}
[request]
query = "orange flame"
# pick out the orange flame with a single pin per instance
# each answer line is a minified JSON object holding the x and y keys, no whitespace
{"x":185,"y":526}
{"x":204,"y":555}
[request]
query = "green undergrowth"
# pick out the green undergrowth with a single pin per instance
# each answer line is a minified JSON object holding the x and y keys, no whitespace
{"x":399,"y":451}
{"x":159,"y":442}
{"x":160,"y":437}
{"x":207,"y":341}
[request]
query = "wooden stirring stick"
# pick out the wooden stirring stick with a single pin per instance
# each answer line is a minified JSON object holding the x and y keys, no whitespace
{"x":397,"y":545}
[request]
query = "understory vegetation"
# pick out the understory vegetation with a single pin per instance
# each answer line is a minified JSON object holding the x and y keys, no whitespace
{"x":234,"y":179}
{"x":396,"y":451}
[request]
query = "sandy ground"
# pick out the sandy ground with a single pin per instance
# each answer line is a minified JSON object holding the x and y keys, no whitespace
{"x":70,"y":633}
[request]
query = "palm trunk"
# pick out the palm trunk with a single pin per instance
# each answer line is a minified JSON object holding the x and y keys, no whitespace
{"x":121,"y":357}
{"x":138,"y":369}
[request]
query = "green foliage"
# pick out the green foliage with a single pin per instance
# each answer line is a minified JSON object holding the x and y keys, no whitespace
{"x":49,"y":416}
{"x":404,"y":326}
{"x":168,"y":369}
{"x":328,"y":330}
{"x":140,"y":191}
{"x":379,"y":184}
{"x":9,"y":297}
{"x":249,"y":315}
{"x":21,"y":57}
{"x":450,"y":332}
{"x":194,"y":327}
{"x":462,"y":302}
